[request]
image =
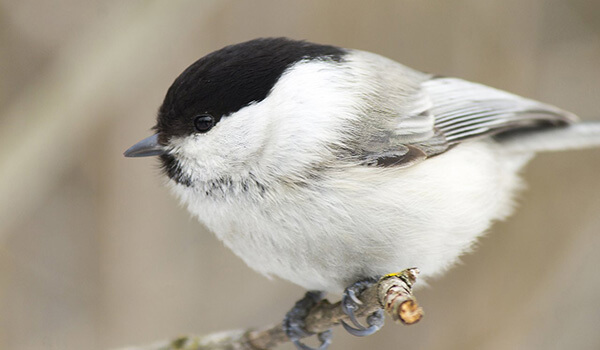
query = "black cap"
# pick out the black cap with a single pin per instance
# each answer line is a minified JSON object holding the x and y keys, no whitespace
{"x":226,"y":80}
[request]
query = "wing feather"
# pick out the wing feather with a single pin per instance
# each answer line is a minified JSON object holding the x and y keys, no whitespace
{"x":418,"y":116}
{"x":465,"y":110}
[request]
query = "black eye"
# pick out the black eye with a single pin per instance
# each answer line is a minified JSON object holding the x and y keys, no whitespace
{"x":204,"y":122}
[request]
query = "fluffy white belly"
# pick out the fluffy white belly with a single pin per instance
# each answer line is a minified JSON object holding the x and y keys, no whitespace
{"x":368,"y":221}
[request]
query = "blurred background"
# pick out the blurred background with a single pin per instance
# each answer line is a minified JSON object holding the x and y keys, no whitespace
{"x":96,"y":254}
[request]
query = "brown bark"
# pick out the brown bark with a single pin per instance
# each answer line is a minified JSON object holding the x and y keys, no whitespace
{"x":393,"y":293}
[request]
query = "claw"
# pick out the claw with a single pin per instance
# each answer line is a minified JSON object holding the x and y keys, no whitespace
{"x":293,"y":324}
{"x":376,"y":319}
{"x":350,"y":303}
{"x":324,"y":338}
{"x":360,"y":332}
{"x":352,"y":295}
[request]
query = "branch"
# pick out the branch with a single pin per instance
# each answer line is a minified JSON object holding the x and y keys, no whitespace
{"x":392,"y":293}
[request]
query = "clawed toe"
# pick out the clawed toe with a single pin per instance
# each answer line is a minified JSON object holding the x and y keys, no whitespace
{"x":293,"y":323}
{"x":324,"y":338}
{"x":295,"y":329}
{"x":351,"y":303}
{"x":375,"y":322}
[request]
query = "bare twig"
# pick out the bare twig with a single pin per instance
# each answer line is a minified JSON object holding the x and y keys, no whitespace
{"x":392,"y":293}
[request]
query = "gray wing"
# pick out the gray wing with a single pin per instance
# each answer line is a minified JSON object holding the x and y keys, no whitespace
{"x":465,"y":110}
{"x":457,"y":111}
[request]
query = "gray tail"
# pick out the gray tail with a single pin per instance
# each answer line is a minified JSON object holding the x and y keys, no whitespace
{"x":572,"y":136}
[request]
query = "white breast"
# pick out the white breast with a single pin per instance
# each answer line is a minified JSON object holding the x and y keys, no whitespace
{"x":366,"y":221}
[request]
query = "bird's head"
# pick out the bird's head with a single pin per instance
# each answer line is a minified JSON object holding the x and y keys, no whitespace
{"x":262,"y":104}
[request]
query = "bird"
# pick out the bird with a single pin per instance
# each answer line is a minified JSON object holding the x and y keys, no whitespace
{"x":329,"y":167}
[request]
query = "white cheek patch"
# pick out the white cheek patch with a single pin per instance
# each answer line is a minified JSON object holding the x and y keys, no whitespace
{"x":229,"y":150}
{"x":195,"y":156}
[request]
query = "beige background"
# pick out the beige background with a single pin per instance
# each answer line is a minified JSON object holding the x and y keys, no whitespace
{"x":95,"y":253}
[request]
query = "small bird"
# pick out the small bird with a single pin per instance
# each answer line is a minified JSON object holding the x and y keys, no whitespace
{"x":330,"y":167}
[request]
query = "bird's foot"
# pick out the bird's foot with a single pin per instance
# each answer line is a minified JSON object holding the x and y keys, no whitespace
{"x":350,"y":303}
{"x":293,"y":323}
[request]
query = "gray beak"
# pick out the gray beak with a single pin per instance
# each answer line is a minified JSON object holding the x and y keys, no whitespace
{"x":146,"y":148}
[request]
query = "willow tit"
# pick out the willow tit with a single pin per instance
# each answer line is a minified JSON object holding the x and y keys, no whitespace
{"x":326,"y":166}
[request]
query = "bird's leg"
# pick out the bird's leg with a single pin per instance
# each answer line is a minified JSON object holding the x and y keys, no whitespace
{"x":350,"y":303}
{"x":293,"y":323}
